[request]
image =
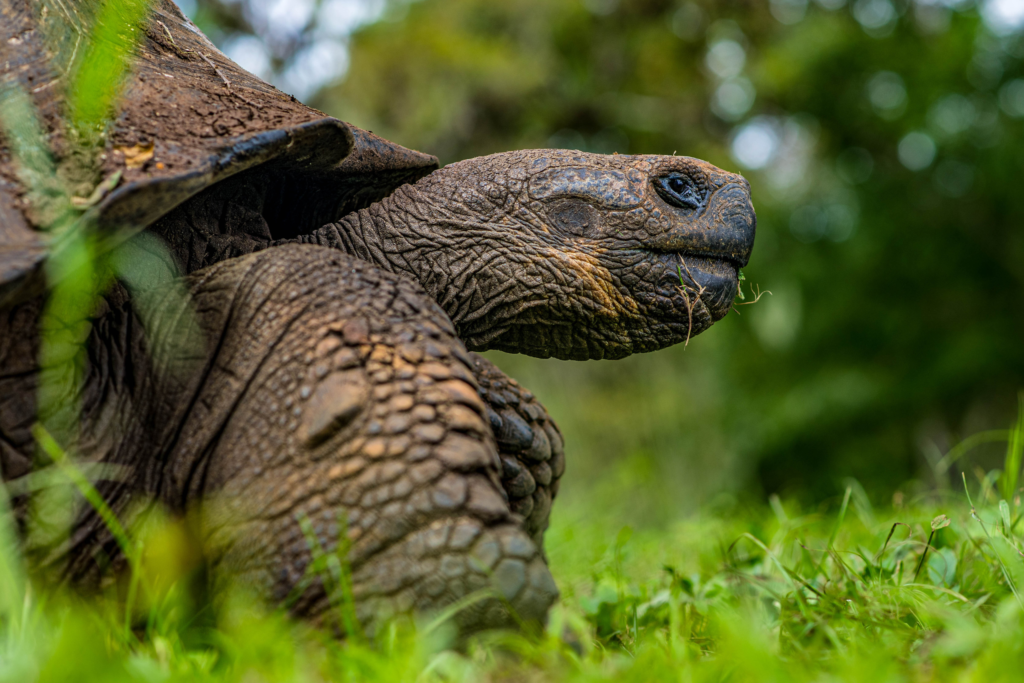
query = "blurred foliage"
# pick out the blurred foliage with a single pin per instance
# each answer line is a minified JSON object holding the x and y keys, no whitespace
{"x":84,"y":259}
{"x":882,"y":141}
{"x":75,"y":271}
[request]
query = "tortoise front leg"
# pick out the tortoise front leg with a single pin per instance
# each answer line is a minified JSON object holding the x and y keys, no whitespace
{"x":529,"y":444}
{"x":338,"y":392}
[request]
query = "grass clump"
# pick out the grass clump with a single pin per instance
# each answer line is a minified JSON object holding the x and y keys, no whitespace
{"x":923,"y":591}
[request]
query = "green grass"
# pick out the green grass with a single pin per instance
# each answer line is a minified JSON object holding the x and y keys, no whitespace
{"x":844,"y":592}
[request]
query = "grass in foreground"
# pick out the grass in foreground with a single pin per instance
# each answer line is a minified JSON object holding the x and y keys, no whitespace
{"x":923,"y":591}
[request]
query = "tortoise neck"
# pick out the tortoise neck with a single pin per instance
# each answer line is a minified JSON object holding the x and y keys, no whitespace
{"x":353,"y":234}
{"x":397,"y":240}
{"x":377,"y":234}
{"x":404,"y":234}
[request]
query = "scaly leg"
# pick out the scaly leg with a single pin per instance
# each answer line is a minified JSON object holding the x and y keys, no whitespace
{"x":529,"y":444}
{"x":336,"y":390}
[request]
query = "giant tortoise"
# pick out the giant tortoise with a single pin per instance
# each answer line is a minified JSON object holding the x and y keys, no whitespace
{"x":339,"y":286}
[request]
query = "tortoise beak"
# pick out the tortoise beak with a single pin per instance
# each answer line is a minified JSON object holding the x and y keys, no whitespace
{"x":723,"y":229}
{"x":716,"y":281}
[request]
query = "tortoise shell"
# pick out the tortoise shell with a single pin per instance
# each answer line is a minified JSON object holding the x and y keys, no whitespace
{"x":187,"y":119}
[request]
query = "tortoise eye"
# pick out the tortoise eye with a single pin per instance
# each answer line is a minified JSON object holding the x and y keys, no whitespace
{"x":679,"y":190}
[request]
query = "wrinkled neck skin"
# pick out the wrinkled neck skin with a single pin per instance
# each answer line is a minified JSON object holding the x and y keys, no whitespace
{"x":565,"y":254}
{"x":497,"y":288}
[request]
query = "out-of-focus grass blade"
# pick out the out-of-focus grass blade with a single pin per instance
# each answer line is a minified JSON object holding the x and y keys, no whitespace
{"x":99,"y":74}
{"x":75,"y":270}
{"x":65,"y":323}
{"x":1009,"y":562}
{"x":84,"y":486}
{"x":146,"y":266}
{"x":99,"y":505}
{"x":12,"y":575}
{"x":33,"y":161}
{"x":971,"y":442}
{"x":76,"y":284}
{"x":1014,"y":453}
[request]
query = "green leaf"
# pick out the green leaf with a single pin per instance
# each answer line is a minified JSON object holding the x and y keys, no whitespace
{"x":942,"y":567}
{"x":1004,"y":514}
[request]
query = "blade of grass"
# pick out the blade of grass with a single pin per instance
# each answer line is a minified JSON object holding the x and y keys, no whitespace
{"x":34,"y":163}
{"x":840,"y":517}
{"x":835,"y":528}
{"x":450,"y":611}
{"x":1002,"y":565}
{"x":789,"y":577}
{"x":888,"y":538}
{"x":99,"y":73}
{"x":84,"y":486}
{"x":969,"y":444}
{"x":100,"y":506}
{"x":1014,"y":453}
{"x":335,"y":574}
{"x":12,"y":573}
{"x":924,"y":555}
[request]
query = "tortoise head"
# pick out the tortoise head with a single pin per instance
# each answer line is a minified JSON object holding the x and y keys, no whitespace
{"x":583,"y":256}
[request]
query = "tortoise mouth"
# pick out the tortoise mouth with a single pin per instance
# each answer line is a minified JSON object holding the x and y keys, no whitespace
{"x":707,"y":282}
{"x":688,"y":255}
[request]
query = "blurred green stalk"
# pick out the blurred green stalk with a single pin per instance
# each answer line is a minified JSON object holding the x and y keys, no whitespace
{"x":99,"y":74}
{"x":76,"y":269}
{"x":1014,"y":453}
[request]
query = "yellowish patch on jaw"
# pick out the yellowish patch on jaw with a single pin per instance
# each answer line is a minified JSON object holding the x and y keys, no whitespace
{"x":597,"y":279}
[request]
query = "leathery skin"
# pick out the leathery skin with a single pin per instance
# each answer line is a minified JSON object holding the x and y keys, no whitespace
{"x":353,"y":400}
{"x":327,"y":393}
